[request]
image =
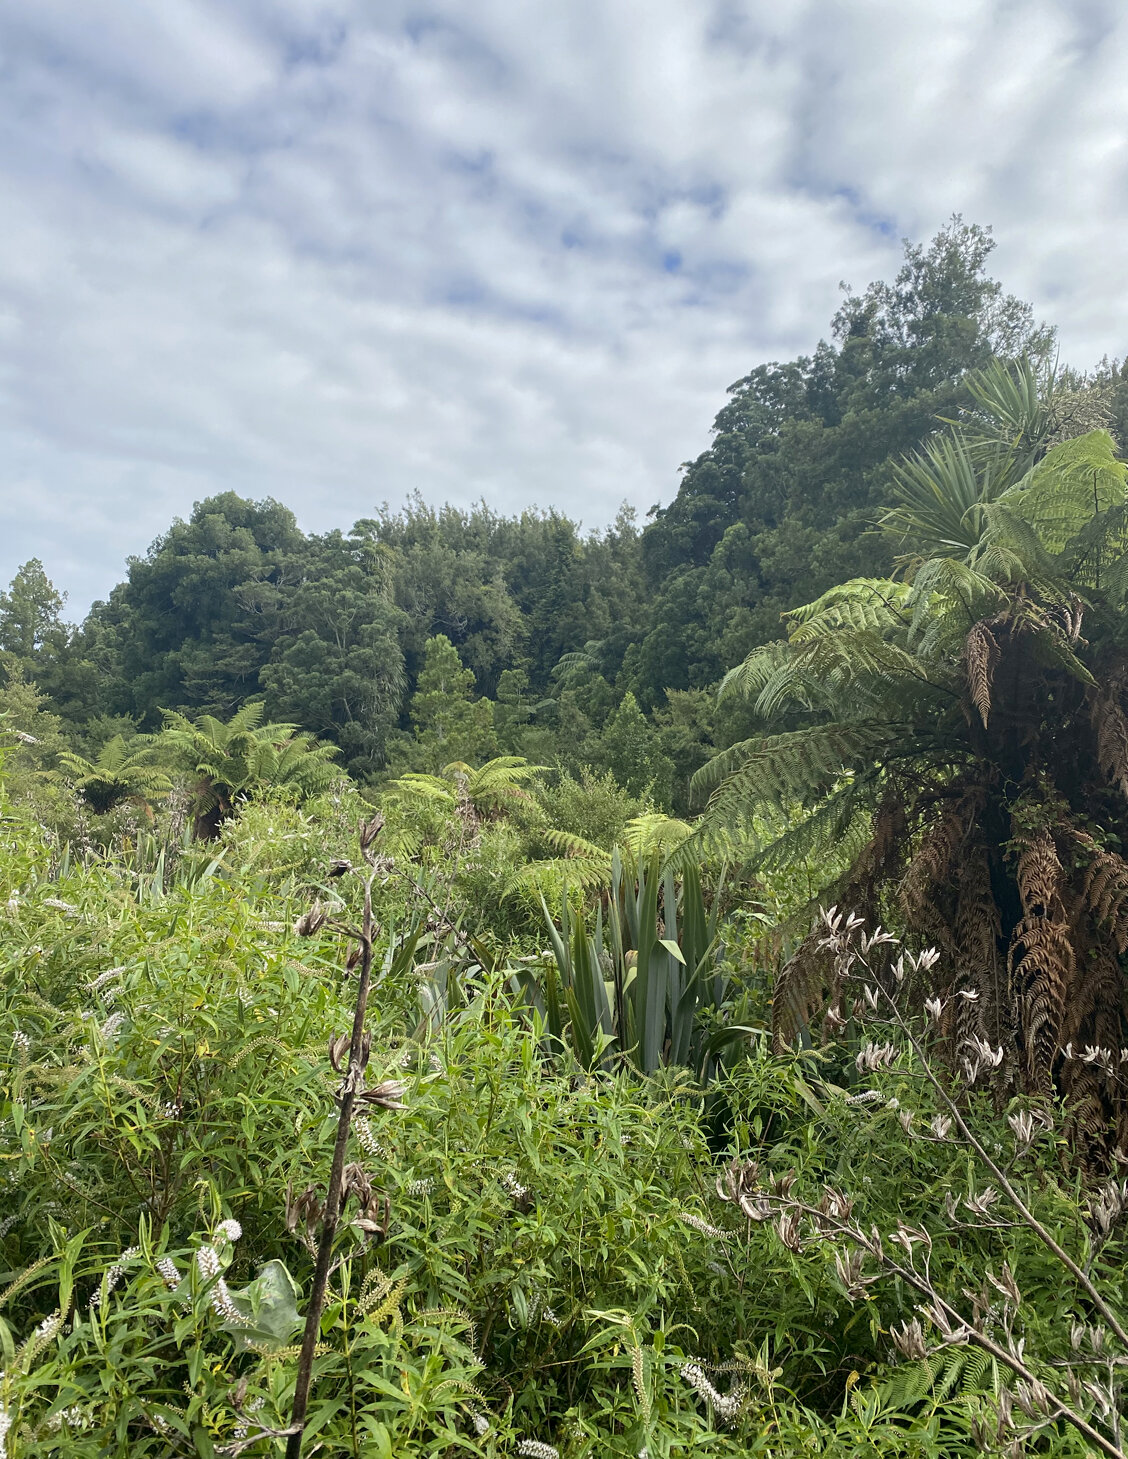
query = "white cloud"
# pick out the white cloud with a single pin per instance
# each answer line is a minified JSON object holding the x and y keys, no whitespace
{"x":336,"y":253}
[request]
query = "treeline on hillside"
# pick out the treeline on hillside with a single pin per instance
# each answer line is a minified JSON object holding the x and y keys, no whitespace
{"x":428,"y":635}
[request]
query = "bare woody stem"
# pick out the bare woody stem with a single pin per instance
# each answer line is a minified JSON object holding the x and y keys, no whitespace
{"x":1012,"y":1195}
{"x":352,"y":1082}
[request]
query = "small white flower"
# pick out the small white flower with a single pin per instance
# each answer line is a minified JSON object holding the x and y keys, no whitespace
{"x":724,"y":1406}
{"x":534,"y":1449}
{"x":167,"y":1268}
{"x":98,"y":983}
{"x":481,"y":1424}
{"x":368,"y":1141}
{"x":207,"y":1262}
{"x":229,"y":1230}
{"x":112,"y":1027}
{"x":514,"y":1186}
{"x":713,"y":1232}
{"x":934,"y":1007}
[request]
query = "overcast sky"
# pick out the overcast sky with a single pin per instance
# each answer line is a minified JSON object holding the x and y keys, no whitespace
{"x":334,"y":252}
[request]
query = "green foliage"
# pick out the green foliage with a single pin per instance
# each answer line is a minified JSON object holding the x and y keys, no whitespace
{"x":649,"y":988}
{"x":594,"y":807}
{"x":780,"y":506}
{"x":30,"y":614}
{"x":241,"y":758}
{"x":336,"y":666}
{"x":555,"y":1252}
{"x":122,"y":770}
{"x":449,"y":724}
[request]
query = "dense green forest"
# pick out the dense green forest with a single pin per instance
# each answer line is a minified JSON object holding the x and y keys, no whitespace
{"x":599,"y":649}
{"x":445,"y":1000}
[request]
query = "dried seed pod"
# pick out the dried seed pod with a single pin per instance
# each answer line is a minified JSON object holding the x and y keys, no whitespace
{"x":908,"y":1339}
{"x":369,"y":830}
{"x":388,"y":1094}
{"x":339,"y":1046}
{"x":311,"y":922}
{"x":305,"y":1208}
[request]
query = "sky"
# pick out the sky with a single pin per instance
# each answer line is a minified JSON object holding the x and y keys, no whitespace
{"x":336,"y":253}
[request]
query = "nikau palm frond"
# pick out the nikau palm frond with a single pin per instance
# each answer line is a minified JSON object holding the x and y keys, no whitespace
{"x":973,"y":715}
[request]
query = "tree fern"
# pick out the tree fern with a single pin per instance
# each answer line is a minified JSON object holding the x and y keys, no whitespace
{"x":971,"y":711}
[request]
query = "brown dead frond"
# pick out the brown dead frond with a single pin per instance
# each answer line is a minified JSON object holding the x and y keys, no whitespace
{"x":1104,"y":887}
{"x":800,"y":992}
{"x":939,"y":851}
{"x":1041,"y":969}
{"x":979,"y":965}
{"x":981,"y":659}
{"x":1111,"y":727}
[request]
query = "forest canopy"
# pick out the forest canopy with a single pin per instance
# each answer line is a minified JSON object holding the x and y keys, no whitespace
{"x":595,"y":648}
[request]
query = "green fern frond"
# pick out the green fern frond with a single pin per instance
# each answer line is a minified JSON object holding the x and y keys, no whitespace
{"x":867,"y":605}
{"x":747,"y":679}
{"x":779,"y":772}
{"x":1075,"y":482}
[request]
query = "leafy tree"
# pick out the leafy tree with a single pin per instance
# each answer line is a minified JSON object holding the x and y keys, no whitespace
{"x":336,"y":665}
{"x":192,"y":624}
{"x":31,"y":733}
{"x":242,"y":757}
{"x":513,"y":708}
{"x":958,"y":730}
{"x":123,"y":770}
{"x":628,"y":747}
{"x":449,"y":724}
{"x":593,"y":807}
{"x":30,"y":613}
{"x":781,"y":505}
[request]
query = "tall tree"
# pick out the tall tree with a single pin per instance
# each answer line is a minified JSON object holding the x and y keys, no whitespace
{"x":781,"y":506}
{"x":336,"y":666}
{"x":188,"y":625}
{"x":450,"y":725}
{"x":31,"y":613}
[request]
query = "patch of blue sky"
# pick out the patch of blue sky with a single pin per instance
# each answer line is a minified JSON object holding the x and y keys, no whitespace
{"x":713,"y":279}
{"x":657,"y":196}
{"x":731,"y":27}
{"x":884,"y":225}
{"x":476,"y":296}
